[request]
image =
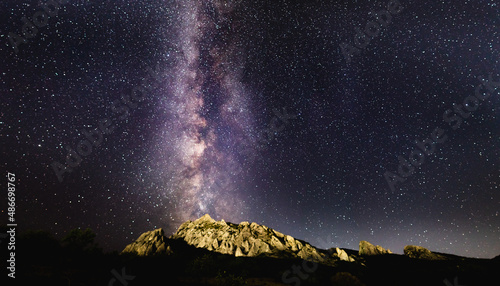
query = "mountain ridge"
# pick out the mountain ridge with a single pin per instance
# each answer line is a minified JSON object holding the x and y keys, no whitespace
{"x":251,"y":240}
{"x":243,"y":239}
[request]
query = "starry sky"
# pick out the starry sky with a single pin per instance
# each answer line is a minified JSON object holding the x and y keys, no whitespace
{"x":331,"y":121}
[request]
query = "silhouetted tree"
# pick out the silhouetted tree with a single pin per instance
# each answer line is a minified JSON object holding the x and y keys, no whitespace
{"x":40,"y":245}
{"x":79,"y":241}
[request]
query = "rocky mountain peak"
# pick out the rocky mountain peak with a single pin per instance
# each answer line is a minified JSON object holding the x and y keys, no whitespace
{"x":366,"y":248}
{"x":243,"y":239}
{"x":151,"y":242}
{"x":205,"y":219}
{"x":419,"y":252}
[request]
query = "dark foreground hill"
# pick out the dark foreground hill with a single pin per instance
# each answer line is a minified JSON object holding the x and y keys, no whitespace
{"x":209,"y":252}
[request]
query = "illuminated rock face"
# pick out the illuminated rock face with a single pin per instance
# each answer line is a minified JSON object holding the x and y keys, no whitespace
{"x":366,"y":248}
{"x":342,"y":255}
{"x":420,"y":252}
{"x":244,"y":239}
{"x":149,"y":243}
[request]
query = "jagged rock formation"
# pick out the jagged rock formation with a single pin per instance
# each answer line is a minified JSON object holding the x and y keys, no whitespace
{"x":342,"y":255}
{"x":366,"y":248}
{"x":420,"y":252}
{"x":244,"y":239}
{"x":149,"y":243}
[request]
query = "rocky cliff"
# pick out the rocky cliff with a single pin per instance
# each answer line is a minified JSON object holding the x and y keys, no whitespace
{"x":244,"y":239}
{"x":366,"y":248}
{"x":252,"y":240}
{"x":149,"y":243}
{"x":420,"y":252}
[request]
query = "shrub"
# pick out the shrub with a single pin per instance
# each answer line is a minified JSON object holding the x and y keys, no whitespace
{"x":345,"y":279}
{"x":224,"y":279}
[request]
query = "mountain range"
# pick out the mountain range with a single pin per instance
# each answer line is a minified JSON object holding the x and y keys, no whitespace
{"x":249,"y":240}
{"x":369,"y":265}
{"x":210,"y":252}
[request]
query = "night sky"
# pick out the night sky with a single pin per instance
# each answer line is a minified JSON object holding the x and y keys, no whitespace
{"x":126,"y":116}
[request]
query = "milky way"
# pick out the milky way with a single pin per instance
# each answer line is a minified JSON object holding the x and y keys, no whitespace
{"x":205,"y":100}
